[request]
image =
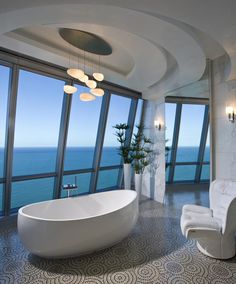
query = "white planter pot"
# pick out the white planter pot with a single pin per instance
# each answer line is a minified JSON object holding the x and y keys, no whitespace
{"x":127,"y":176}
{"x":138,"y":183}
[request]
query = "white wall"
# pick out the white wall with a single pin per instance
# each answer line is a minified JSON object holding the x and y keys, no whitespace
{"x":223,"y":132}
{"x":154,"y":176}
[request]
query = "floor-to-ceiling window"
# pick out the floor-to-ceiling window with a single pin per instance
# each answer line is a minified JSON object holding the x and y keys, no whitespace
{"x":205,"y":172}
{"x":170,"y":110}
{"x":187,"y":149}
{"x":81,"y":141}
{"x":48,"y":128}
{"x":4,"y":90}
{"x":82,"y":132}
{"x":108,"y":178}
{"x":138,"y":116}
{"x":38,"y":112}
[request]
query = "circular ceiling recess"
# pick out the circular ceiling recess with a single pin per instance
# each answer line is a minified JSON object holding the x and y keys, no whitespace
{"x":86,"y":41}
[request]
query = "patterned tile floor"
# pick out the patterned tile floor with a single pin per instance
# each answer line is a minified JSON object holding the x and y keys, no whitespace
{"x":155,"y":252}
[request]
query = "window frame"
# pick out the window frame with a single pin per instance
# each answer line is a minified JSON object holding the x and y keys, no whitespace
{"x":179,"y":101}
{"x":19,"y":62}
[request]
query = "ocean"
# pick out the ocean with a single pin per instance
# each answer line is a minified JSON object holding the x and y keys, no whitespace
{"x":29,"y":161}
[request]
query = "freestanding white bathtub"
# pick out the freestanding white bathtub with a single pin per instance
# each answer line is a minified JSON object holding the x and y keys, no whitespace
{"x":77,"y":225}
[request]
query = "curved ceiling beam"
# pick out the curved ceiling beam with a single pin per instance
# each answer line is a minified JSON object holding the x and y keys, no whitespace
{"x":186,"y":51}
{"x":215,"y":18}
{"x":126,"y":66}
{"x":144,"y":72}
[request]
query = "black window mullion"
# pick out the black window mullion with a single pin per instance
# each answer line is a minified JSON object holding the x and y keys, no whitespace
{"x":175,"y":141}
{"x":99,"y":140}
{"x":63,"y":132}
{"x":129,"y":132}
{"x":202,"y":145}
{"x":9,"y":141}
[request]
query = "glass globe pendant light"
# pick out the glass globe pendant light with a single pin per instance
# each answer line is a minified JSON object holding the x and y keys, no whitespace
{"x":68,"y":89}
{"x":91,"y":84}
{"x":98,"y":75}
{"x":84,"y":79}
{"x":75,"y":73}
{"x":98,"y":92}
{"x":86,"y":97}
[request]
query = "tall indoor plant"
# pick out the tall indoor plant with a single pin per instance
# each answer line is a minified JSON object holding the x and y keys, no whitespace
{"x":124,"y":152}
{"x":140,"y":155}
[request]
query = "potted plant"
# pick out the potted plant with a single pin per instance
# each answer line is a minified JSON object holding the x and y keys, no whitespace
{"x":167,"y":151}
{"x":124,"y":152}
{"x":140,"y":155}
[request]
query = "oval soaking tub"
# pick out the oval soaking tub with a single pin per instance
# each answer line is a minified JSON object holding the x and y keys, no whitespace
{"x":77,"y":225}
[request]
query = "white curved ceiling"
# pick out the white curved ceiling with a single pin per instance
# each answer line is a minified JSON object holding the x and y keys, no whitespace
{"x":158,"y":45}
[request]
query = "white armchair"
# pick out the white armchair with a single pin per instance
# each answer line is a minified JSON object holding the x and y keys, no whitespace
{"x":214,"y":228}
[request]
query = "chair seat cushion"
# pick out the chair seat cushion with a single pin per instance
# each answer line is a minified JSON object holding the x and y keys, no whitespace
{"x":191,"y":208}
{"x":196,"y":221}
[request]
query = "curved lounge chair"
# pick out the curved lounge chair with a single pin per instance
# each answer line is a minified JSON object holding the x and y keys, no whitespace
{"x":214,"y":228}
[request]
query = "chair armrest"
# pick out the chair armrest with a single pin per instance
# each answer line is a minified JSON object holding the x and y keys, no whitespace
{"x":202,"y":233}
{"x":198,"y":222}
{"x":192,"y":208}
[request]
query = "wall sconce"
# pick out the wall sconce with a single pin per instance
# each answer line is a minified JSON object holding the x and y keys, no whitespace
{"x":157,"y":124}
{"x":230,"y":112}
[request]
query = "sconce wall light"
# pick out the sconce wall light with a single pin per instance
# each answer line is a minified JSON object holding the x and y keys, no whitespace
{"x":157,"y":124}
{"x":230,"y":112}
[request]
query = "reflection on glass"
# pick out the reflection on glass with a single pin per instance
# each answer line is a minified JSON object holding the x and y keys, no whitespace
{"x":167,"y":173}
{"x":184,"y":173}
{"x":107,"y":179}
{"x":4,"y":85}
{"x":118,"y":113}
{"x":82,"y":132}
{"x":38,"y":113}
{"x":207,"y":154}
{"x":31,"y":191}
{"x":207,"y":149}
{"x":82,"y":181}
{"x":138,"y":115}
{"x":205,"y":175}
{"x":187,"y":154}
{"x":1,"y":201}
{"x":190,"y":132}
{"x":170,"y":110}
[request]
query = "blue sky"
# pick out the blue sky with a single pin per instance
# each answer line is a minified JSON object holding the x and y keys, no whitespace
{"x":39,"y":105}
{"x":4,"y":82}
{"x":39,"y":111}
{"x":190,"y":125}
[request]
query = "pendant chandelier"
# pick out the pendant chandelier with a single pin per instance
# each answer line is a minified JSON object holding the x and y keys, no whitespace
{"x":92,"y":83}
{"x":92,"y":44}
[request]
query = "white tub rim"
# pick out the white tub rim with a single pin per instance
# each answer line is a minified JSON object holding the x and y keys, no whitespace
{"x":76,"y":219}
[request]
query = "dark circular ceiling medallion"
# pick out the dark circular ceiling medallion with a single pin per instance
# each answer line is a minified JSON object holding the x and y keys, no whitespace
{"x":86,"y":41}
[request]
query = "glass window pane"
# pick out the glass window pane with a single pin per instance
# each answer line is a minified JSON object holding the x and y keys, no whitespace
{"x":190,"y":132}
{"x":167,"y":173}
{"x":31,"y":191}
{"x":82,"y":132}
{"x":207,"y":149}
{"x":205,"y":175}
{"x":170,"y":110}
{"x":107,"y":179}
{"x":1,"y":201}
{"x":82,"y":181}
{"x":4,"y":85}
{"x":138,"y":115}
{"x":38,"y":114}
{"x":184,"y":173}
{"x":118,"y":113}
